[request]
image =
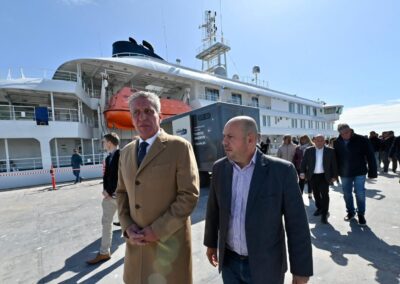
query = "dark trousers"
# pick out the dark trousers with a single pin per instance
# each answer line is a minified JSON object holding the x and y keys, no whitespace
{"x":320,"y":188}
{"x":76,"y":174}
{"x":302,"y":183}
{"x":235,"y":269}
{"x":386,"y":162}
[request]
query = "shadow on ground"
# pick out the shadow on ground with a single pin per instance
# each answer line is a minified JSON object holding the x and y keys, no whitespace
{"x":77,"y":263}
{"x":363,"y":242}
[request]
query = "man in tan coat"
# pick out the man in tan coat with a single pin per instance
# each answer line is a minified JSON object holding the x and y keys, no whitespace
{"x":158,"y":188}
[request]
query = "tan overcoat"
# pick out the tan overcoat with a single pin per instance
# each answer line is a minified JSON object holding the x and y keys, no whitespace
{"x":161,"y":193}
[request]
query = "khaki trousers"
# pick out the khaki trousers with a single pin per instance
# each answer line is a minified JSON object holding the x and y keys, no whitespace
{"x":109,"y":208}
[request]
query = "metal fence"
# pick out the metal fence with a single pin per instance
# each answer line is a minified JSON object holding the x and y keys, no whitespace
{"x":21,"y":164}
{"x":88,"y":159}
{"x":11,"y":112}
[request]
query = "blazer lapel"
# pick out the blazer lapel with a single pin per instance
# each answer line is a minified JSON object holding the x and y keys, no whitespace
{"x":260,"y":174}
{"x":227,"y":181}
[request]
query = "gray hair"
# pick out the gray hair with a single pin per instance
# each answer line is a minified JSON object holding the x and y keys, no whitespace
{"x":342,"y":126}
{"x":151,"y":97}
{"x":249,"y":125}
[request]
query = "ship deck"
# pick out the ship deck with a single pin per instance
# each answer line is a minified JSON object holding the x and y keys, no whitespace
{"x":46,"y":236}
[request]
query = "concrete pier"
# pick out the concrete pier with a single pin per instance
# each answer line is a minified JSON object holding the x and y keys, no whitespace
{"x":46,"y":236}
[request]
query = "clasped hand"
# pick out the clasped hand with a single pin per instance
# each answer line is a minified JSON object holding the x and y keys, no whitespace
{"x":141,"y":236}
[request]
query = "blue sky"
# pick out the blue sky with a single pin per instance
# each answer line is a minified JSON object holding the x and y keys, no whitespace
{"x":342,"y":52}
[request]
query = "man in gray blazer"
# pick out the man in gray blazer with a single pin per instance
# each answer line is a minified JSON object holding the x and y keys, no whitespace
{"x":320,"y":169}
{"x":250,"y":194}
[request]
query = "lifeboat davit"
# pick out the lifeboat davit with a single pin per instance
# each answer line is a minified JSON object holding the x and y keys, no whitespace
{"x":117,"y":113}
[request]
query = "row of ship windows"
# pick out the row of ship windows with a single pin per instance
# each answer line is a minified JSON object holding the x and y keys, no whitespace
{"x":297,"y":123}
{"x":213,"y":95}
{"x":303,"y":109}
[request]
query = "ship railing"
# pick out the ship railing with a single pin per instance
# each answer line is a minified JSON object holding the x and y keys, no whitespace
{"x":242,"y":102}
{"x":21,"y":164}
{"x":22,"y":73}
{"x":88,"y":159}
{"x":65,"y":76}
{"x":12,"y":112}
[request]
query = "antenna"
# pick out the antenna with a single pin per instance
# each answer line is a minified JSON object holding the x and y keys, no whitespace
{"x":212,"y":52}
{"x":220,"y":21}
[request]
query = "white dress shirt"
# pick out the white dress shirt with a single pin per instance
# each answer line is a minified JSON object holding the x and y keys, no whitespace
{"x":241,"y":179}
{"x":319,"y":165}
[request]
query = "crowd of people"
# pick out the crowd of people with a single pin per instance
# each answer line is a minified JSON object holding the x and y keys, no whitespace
{"x":153,"y":185}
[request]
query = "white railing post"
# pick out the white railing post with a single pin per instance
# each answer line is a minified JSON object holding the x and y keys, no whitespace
{"x":7,"y":155}
{"x":56,"y":148}
{"x":94,"y":160}
{"x":53,"y":115}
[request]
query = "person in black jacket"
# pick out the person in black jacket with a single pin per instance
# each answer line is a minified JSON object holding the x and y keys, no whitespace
{"x":394,"y":152}
{"x":387,"y":145}
{"x":353,"y":152}
{"x":376,"y":145}
{"x":319,"y":167}
{"x":109,"y":203}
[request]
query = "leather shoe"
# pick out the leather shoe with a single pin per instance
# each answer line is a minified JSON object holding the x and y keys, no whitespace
{"x":317,"y":212}
{"x":99,"y":258}
{"x":117,"y":224}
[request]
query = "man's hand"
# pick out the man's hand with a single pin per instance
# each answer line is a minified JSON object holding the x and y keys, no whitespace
{"x":149,"y":235}
{"x":135,"y":236}
{"x":212,"y":256}
{"x":106,"y":195}
{"x":302,"y":176}
{"x":300,"y":279}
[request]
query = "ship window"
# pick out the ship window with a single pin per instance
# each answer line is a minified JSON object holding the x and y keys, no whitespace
{"x":254,"y":101}
{"x":294,"y":123}
{"x":212,"y":94}
{"x":314,"y":111}
{"x":330,"y":110}
{"x":268,"y":120}
{"x":264,"y":120}
{"x":308,"y":110}
{"x":291,"y":107}
{"x":300,"y":108}
{"x":302,"y":123}
{"x":310,"y":124}
{"x":237,"y":99}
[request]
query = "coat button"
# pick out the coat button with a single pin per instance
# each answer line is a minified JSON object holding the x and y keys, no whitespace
{"x":137,"y":182}
{"x":137,"y":206}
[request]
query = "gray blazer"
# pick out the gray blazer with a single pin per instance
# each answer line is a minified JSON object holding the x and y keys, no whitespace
{"x":274,"y":193}
{"x":328,"y":161}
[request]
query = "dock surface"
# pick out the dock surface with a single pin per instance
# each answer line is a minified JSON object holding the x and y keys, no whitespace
{"x":46,"y":236}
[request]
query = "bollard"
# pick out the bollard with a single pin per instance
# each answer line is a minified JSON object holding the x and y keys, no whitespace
{"x":53,"y":178}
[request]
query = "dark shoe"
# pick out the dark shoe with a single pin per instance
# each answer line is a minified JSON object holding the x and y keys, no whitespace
{"x":117,"y":224}
{"x":317,"y":212}
{"x":349,"y":217}
{"x":361,"y":220}
{"x":310,"y":196}
{"x":324,"y":219}
{"x":99,"y":258}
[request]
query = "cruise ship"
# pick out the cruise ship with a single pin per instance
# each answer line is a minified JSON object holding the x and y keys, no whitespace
{"x":43,"y":120}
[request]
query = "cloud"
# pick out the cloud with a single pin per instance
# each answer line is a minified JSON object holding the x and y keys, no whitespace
{"x":377,"y":117}
{"x":78,"y":2}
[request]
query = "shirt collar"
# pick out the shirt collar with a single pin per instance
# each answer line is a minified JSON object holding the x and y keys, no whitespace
{"x":252,"y":161}
{"x":151,"y":140}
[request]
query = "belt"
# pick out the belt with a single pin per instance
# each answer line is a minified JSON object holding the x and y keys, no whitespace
{"x":235,"y":255}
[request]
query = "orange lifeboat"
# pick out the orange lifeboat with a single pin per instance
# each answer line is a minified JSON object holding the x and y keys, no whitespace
{"x":117,"y":113}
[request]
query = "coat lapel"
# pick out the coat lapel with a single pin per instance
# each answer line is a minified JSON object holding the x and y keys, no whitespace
{"x":260,"y":174}
{"x":227,"y":181}
{"x":155,"y":149}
